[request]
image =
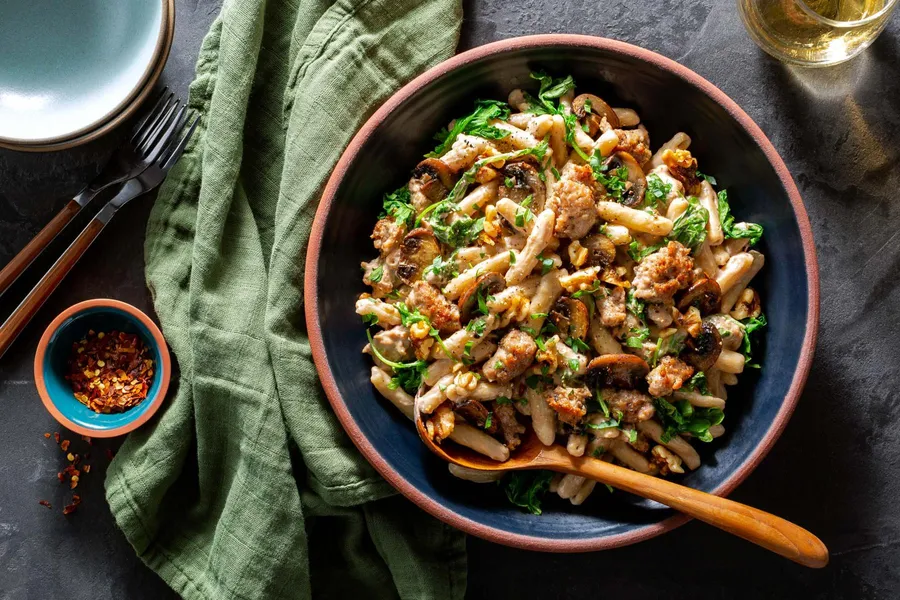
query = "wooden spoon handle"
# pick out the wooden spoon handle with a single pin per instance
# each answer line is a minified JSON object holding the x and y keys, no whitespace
{"x":759,"y":527}
{"x":20,"y":317}
{"x":27,"y":255}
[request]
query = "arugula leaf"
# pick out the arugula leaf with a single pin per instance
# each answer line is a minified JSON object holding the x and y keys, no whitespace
{"x":406,"y":375}
{"x":607,"y":424}
{"x":690,"y":228}
{"x":709,"y":178}
{"x":697,"y":383}
{"x":444,"y":268}
{"x":475,"y":123}
{"x":588,"y":292}
{"x":408,"y":316}
{"x":550,"y":90}
{"x":672,"y":344}
{"x":577,"y":345}
{"x":751,"y":325}
{"x":526,"y":489}
{"x":657,"y":190}
{"x":750,"y":231}
{"x":631,"y":434}
{"x":398,"y":205}
{"x":461,"y":232}
{"x":639,"y":253}
{"x":684,"y":418}
{"x":635,"y":306}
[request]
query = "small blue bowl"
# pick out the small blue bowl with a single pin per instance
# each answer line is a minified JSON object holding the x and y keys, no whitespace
{"x":54,"y":350}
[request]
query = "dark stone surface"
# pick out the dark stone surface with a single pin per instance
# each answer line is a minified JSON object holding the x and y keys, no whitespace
{"x":832,"y":471}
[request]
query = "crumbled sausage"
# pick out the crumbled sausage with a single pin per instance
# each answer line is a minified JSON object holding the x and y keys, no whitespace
{"x":663,"y":273}
{"x":393,"y":344}
{"x":574,"y":205}
{"x":635,"y":142}
{"x":441,"y":423}
{"x":387,"y":235}
{"x":668,"y":376}
{"x":611,"y":306}
{"x":509,"y":426}
{"x":633,"y":406}
{"x":732,"y":332}
{"x":477,"y":414}
{"x":569,"y":403}
{"x":428,"y":300}
{"x":514,"y":355}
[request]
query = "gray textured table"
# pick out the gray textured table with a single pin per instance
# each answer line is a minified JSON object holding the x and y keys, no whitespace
{"x":833,"y":470}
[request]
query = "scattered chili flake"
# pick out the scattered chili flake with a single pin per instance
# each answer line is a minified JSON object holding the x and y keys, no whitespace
{"x":44,"y":503}
{"x":70,"y":508}
{"x":73,"y":483}
{"x":64,"y":445}
{"x":86,"y":468}
{"x":61,"y":477}
{"x":109,"y":454}
{"x":56,"y":436}
{"x":47,"y":435}
{"x":110,"y":372}
{"x":70,"y":457}
{"x":88,"y":440}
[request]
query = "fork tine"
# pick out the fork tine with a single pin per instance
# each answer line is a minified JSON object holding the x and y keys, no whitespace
{"x":141,"y":141}
{"x":150,"y":114}
{"x":153,"y":137}
{"x":168,"y":136}
{"x":176,"y":152}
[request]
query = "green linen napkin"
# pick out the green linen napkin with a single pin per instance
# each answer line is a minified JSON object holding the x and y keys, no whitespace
{"x":245,"y":486}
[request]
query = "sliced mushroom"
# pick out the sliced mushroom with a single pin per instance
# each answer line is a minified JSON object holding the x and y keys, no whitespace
{"x":476,"y":414}
{"x":705,"y":294}
{"x":487,"y":284}
{"x":418,"y":250}
{"x":591,"y":109}
{"x":616,"y":370}
{"x":571,"y":317}
{"x":701,"y":352}
{"x":601,"y":250}
{"x":525,"y":181}
{"x":633,"y":194}
{"x":431,"y":181}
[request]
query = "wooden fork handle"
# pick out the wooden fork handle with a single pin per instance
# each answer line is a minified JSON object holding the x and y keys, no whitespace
{"x":46,"y":235}
{"x":17,"y":321}
{"x":759,"y":527}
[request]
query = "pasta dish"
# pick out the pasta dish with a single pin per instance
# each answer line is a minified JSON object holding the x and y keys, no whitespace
{"x":544,"y":268}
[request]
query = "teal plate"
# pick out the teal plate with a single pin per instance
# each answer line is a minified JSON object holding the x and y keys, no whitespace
{"x":68,"y":67}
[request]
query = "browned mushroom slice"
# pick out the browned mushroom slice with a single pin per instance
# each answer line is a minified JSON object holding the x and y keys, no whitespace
{"x":520,"y":180}
{"x":701,"y":352}
{"x":486,"y":285}
{"x":475,"y":413}
{"x":705,"y":294}
{"x":571,"y":317}
{"x":636,"y":185}
{"x":418,"y":250}
{"x":591,"y":109}
{"x":431,"y":181}
{"x":601,"y":250}
{"x":616,"y":370}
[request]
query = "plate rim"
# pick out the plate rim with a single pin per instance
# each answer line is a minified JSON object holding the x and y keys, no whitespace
{"x":487,"y":532}
{"x":121,"y":110}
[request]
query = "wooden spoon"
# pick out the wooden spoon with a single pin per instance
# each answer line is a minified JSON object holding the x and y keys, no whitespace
{"x":754,"y":525}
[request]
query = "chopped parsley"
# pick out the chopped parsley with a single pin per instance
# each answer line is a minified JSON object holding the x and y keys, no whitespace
{"x":406,"y":375}
{"x":635,"y":306}
{"x":637,"y":336}
{"x":443,"y":268}
{"x":512,"y":257}
{"x":657,"y":190}
{"x":709,"y":178}
{"x":477,"y":326}
{"x":475,"y":123}
{"x":488,"y":421}
{"x":523,"y":215}
{"x":398,"y":206}
{"x":573,"y":365}
{"x":639,"y":252}
{"x":577,"y":345}
{"x":751,"y":231}
{"x":409,"y":316}
{"x":690,"y":228}
{"x":614,"y":181}
{"x":547,"y":264}
{"x":697,"y":383}
{"x":375,"y":275}
{"x":370,"y":319}
{"x":672,"y":344}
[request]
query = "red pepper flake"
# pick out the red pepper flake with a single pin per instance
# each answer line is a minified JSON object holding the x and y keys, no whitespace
{"x":109,"y":454}
{"x":110,"y":372}
{"x":68,"y":509}
{"x":47,"y":435}
{"x":88,"y":440}
{"x":56,"y":436}
{"x":44,"y":503}
{"x":86,"y":468}
{"x":64,"y":445}
{"x":61,"y":477}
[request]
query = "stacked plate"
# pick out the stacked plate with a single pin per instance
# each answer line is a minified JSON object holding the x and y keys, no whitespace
{"x":72,"y":71}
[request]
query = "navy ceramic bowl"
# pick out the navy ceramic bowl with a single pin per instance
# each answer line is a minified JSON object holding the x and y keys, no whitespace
{"x":669,"y":98}
{"x":55,"y":349}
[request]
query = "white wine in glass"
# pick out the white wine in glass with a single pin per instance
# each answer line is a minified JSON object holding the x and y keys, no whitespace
{"x":815,"y":32}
